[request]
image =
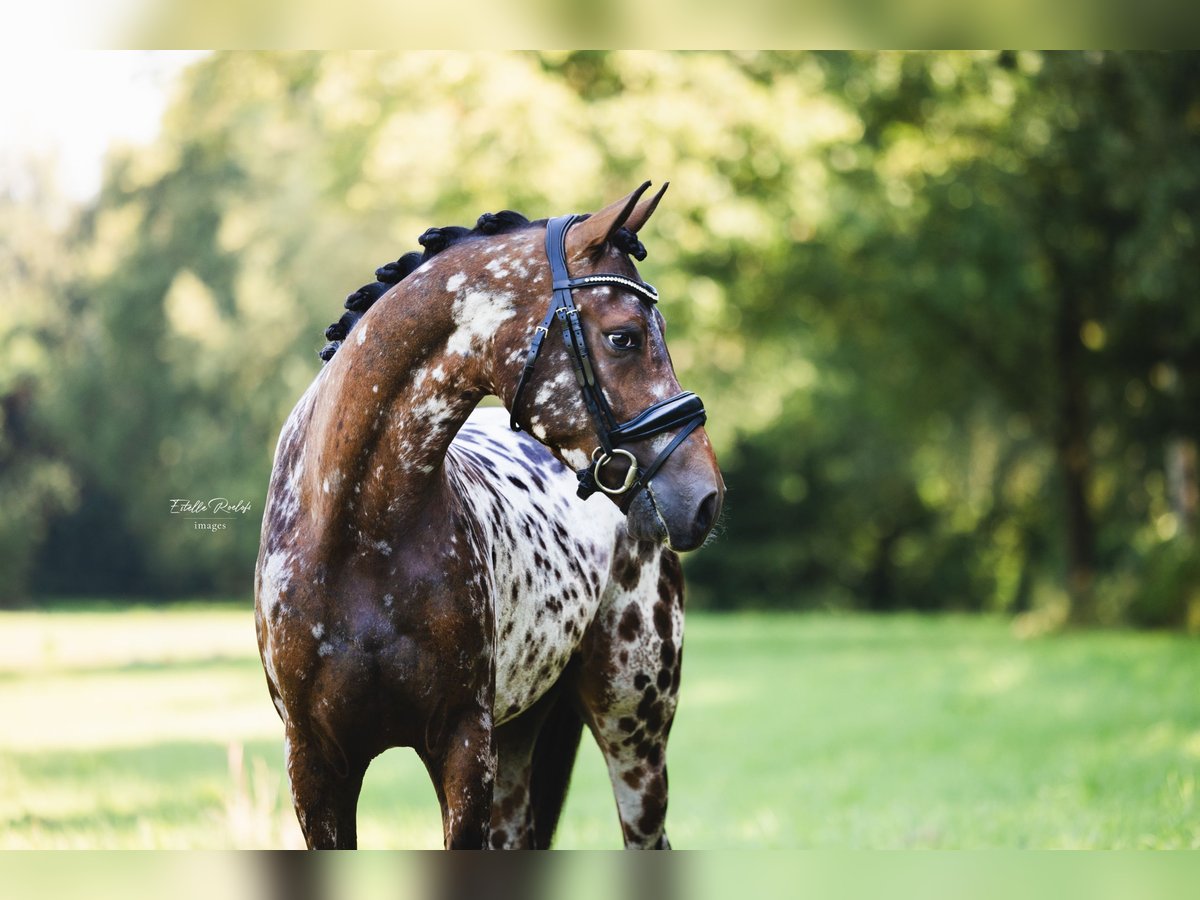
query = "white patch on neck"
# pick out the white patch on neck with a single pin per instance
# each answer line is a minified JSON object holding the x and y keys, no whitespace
{"x":521,"y":266}
{"x":577,"y":458}
{"x":479,"y":316}
{"x":362,"y":333}
{"x":276,"y":576}
{"x":454,"y":282}
{"x":434,"y":412}
{"x":552,"y":389}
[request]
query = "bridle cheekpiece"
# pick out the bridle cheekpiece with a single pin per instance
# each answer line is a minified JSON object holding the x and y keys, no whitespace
{"x":684,"y":411}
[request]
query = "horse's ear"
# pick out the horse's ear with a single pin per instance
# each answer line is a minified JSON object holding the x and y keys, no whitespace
{"x":645,"y":210}
{"x":588,"y":237}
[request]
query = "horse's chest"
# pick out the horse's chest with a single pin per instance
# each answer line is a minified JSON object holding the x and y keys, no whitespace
{"x":549,"y":555}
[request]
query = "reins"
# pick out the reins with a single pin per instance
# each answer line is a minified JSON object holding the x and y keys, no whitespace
{"x":684,"y":411}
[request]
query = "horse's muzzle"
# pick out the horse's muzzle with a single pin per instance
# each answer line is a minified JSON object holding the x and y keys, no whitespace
{"x":677,"y":511}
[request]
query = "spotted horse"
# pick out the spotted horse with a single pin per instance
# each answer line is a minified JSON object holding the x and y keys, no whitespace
{"x":437,"y":577}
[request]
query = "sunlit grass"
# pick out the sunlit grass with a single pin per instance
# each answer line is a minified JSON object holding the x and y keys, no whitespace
{"x":152,"y":728}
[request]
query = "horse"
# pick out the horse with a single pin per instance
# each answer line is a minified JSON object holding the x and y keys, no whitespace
{"x":438,"y":577}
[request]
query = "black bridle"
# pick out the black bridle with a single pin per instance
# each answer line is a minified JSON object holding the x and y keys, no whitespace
{"x":684,"y":411}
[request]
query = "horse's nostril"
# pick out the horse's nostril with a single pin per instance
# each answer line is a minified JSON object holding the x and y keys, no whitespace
{"x":707,"y":513}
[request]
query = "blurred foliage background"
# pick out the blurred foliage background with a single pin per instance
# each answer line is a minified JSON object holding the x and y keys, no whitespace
{"x":942,"y":308}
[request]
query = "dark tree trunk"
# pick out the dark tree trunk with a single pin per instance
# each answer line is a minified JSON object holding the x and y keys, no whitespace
{"x":879,"y":584}
{"x":1073,"y":457}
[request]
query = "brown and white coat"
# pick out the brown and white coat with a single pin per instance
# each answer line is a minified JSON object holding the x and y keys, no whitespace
{"x":427,"y":577}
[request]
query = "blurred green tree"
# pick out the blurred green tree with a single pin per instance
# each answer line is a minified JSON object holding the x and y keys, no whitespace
{"x":997,"y":305}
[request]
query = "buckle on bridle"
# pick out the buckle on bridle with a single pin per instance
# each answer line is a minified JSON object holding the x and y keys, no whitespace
{"x":603,"y":459}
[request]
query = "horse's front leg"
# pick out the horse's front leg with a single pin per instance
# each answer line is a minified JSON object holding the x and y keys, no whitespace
{"x":463,"y":771}
{"x":631,"y":730}
{"x":629,"y":685}
{"x":536,"y":753}
{"x":512,"y":807}
{"x":459,"y":749}
{"x":324,"y":794}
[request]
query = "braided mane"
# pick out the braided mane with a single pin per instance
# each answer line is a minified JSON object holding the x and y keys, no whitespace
{"x":434,"y":241}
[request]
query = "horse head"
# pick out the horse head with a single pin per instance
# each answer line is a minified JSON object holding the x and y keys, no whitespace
{"x":586,"y":371}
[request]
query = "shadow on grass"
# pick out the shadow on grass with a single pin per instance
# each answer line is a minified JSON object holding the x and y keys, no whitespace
{"x":175,"y":762}
{"x":99,"y":821}
{"x":129,"y":789}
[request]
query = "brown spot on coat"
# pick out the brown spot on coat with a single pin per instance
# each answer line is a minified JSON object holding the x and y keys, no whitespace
{"x":512,"y":802}
{"x":626,"y":568}
{"x":662,"y":620}
{"x":631,"y":623}
{"x":670,"y":579}
{"x":654,"y":806}
{"x":667,"y":654}
{"x":654,"y":718}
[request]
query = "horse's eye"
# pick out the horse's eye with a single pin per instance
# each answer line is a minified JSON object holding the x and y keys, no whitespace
{"x":622,"y":340}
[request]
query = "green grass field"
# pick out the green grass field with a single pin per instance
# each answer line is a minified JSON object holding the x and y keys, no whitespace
{"x":142,"y":728}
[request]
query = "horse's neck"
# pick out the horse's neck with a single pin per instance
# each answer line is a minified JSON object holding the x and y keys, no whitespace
{"x":395,"y":395}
